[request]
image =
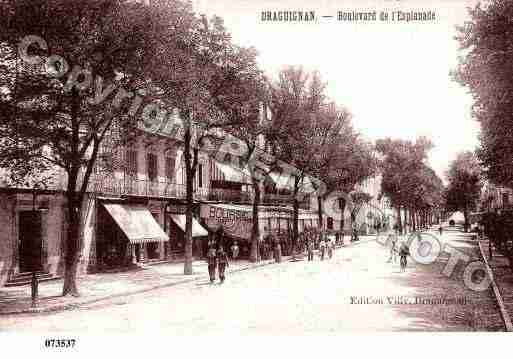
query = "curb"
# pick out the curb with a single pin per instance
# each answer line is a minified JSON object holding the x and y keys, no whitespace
{"x":71,"y":306}
{"x":504,"y":314}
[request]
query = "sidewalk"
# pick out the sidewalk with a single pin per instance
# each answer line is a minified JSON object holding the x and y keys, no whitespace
{"x":101,"y":286}
{"x":503,"y":276}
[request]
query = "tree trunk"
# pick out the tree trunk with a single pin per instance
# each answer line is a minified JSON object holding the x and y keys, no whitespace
{"x":405,"y":220}
{"x":295,"y":229}
{"x":399,"y":221}
{"x":74,"y":204}
{"x":319,"y":209}
{"x":72,"y":243}
{"x":465,"y":216}
{"x":342,"y":218}
{"x":255,"y":232}
{"x":189,"y":177}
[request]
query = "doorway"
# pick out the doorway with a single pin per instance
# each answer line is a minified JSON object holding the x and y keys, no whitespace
{"x":31,"y":241}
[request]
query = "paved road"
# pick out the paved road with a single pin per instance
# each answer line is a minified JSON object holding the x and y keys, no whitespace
{"x":350,"y":292}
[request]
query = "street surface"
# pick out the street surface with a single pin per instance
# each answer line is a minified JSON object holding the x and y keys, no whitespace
{"x":350,"y":292}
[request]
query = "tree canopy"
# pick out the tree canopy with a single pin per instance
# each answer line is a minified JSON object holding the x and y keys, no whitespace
{"x":407,"y":180}
{"x":486,"y":69}
{"x":464,"y":188}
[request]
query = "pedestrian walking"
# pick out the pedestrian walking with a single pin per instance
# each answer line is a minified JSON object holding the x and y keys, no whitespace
{"x":329,"y":246}
{"x":322,"y":249}
{"x":222,"y":263}
{"x":277,"y":251}
{"x":440,"y":229}
{"x":393,"y":249}
{"x":212,"y":263}
{"x":354,"y":236}
{"x":235,"y":250}
{"x":403,"y":253}
{"x":310,"y":249}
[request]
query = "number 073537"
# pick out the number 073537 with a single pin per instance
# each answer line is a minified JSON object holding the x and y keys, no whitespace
{"x":60,"y":343}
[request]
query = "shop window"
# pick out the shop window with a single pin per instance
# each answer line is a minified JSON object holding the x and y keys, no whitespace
{"x":330,"y":223}
{"x":152,"y":249}
{"x":200,"y":175}
{"x":131,"y":163}
{"x":151,"y":161}
{"x":170,"y":169}
{"x":505,"y":199}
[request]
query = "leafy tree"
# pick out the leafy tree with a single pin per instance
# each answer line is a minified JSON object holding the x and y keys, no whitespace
{"x":402,"y":166}
{"x":249,"y":138}
{"x":347,"y":161}
{"x":303,"y":125}
{"x":359,"y":199}
{"x":486,"y":69}
{"x":464,"y":189}
{"x":213,"y":88}
{"x":60,"y":112}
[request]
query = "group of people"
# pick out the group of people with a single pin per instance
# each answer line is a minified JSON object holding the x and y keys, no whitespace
{"x":326,"y":248}
{"x":269,"y":247}
{"x":217,"y":258}
{"x":272,"y":247}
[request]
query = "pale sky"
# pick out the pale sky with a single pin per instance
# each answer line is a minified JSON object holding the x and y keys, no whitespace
{"x":394,"y":76}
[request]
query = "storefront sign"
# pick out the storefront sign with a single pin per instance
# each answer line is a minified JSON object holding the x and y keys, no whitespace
{"x":176,"y":208}
{"x":235,"y":222}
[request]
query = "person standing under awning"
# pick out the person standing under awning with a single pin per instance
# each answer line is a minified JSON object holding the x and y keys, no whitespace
{"x":235,"y":250}
{"x":212,"y":261}
{"x":277,"y":249}
{"x":222,"y":262}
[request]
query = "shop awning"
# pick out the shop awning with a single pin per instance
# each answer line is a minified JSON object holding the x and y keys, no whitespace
{"x":234,"y":174}
{"x":137,"y":223}
{"x":197,"y":228}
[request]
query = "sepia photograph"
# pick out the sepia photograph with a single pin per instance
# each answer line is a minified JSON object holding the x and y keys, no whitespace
{"x":241,"y":168}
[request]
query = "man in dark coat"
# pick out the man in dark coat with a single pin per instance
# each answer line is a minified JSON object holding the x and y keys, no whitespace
{"x":222,"y":262}
{"x":212,"y":263}
{"x":310,"y":249}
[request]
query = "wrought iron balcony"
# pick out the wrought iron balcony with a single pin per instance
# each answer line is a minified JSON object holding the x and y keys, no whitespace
{"x":283,"y":199}
{"x":230,"y":195}
{"x":143,"y":188}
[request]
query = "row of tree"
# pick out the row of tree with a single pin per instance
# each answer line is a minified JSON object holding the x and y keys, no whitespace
{"x":413,"y":188}
{"x":93,"y":72}
{"x":464,"y":187}
{"x":485,"y":69}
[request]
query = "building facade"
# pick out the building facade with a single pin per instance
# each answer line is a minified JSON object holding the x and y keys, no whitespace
{"x":134,"y":212}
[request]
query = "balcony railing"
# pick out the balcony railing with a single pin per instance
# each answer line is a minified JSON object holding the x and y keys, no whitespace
{"x":229,"y":195}
{"x":281,"y":199}
{"x":236,"y":196}
{"x":111,"y":186}
{"x":143,"y":188}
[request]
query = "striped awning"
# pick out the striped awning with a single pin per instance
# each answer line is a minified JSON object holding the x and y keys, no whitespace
{"x":197,"y":228}
{"x":233,"y":173}
{"x":136,"y":222}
